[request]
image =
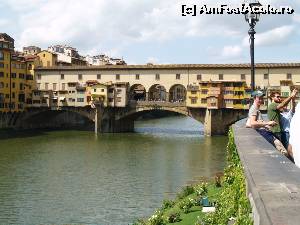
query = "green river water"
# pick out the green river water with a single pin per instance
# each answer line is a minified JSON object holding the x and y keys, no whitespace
{"x":75,"y":177}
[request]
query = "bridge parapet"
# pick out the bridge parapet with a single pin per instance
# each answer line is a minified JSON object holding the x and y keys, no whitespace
{"x":157,"y":103}
{"x":273,"y":181}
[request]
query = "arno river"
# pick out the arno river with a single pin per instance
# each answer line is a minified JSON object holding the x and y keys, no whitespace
{"x":75,"y":177}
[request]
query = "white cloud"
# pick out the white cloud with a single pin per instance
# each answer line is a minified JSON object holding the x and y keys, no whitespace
{"x":115,"y":26}
{"x":90,"y":22}
{"x":272,"y":37}
{"x":152,"y":60}
{"x":231,"y":51}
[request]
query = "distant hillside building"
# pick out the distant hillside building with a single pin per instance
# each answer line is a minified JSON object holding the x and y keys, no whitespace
{"x":100,"y":60}
{"x":31,"y":50}
{"x":67,"y":55}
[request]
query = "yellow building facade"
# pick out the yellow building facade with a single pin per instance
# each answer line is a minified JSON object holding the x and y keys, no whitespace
{"x":218,"y":94}
{"x":47,"y":59}
{"x":6,"y":48}
{"x":16,"y":77}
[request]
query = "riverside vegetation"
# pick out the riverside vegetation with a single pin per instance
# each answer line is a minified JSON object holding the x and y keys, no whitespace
{"x":227,"y":193}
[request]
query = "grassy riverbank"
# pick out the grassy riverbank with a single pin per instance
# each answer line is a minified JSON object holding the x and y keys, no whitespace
{"x":226,"y":193}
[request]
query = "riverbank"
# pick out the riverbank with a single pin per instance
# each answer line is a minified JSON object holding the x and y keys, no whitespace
{"x":226,"y":194}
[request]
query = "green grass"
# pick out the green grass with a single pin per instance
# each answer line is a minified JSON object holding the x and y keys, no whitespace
{"x":196,"y":211}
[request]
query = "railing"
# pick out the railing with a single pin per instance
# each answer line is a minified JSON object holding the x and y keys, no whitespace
{"x":133,"y":103}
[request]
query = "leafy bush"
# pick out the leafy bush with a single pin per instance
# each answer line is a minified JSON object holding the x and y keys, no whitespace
{"x":140,"y":222}
{"x":174,"y":217}
{"x":218,"y":179}
{"x":167,"y":204}
{"x":186,"y":191}
{"x":187,"y":204}
{"x":156,"y":219}
{"x":202,"y":189}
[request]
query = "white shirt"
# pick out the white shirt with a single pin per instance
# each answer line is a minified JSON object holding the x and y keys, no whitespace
{"x":295,"y":135}
{"x":285,"y":120}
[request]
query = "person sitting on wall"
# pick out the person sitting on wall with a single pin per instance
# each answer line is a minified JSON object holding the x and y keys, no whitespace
{"x":256,"y":121}
{"x":274,"y":109}
{"x":294,"y":143}
{"x":285,"y":120}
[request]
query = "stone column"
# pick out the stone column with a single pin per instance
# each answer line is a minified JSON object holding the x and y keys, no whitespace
{"x":214,"y":123}
{"x":167,"y":96}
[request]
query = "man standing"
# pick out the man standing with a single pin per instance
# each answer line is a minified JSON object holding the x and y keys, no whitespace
{"x":256,"y":121}
{"x":274,"y":110}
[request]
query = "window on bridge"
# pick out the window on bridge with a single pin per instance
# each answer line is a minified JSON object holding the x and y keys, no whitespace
{"x":137,"y":92}
{"x":177,"y":93}
{"x":157,"y":92}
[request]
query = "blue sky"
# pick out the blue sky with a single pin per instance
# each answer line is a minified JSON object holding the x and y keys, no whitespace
{"x":154,"y":31}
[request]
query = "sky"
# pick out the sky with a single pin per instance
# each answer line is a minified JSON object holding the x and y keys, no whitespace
{"x":155,"y":31}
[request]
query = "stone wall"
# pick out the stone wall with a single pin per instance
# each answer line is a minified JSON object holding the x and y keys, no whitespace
{"x":273,"y":181}
{"x":9,"y":119}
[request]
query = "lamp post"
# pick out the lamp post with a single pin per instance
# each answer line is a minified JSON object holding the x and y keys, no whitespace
{"x":252,"y":19}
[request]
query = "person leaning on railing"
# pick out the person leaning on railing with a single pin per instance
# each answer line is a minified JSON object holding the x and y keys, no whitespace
{"x":256,"y":122}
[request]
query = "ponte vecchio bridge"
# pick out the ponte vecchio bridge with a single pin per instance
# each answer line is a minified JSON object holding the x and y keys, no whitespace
{"x":215,"y":121}
{"x":151,"y":88}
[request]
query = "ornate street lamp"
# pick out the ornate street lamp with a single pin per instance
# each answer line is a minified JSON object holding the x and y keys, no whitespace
{"x":252,"y":19}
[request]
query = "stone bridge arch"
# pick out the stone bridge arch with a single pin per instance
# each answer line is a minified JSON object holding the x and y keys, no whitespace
{"x":215,"y":121}
{"x":64,"y":117}
{"x":134,"y":113}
